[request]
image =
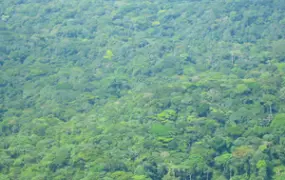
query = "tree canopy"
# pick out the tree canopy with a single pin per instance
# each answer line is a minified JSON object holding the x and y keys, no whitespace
{"x":142,"y":90}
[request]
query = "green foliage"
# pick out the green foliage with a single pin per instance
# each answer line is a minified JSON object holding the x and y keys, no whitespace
{"x":279,"y":172}
{"x":203,"y":109}
{"x":140,"y":177}
{"x":161,"y":130}
{"x":164,"y":139}
{"x":235,"y":131}
{"x":223,"y":159}
{"x":167,"y":115}
{"x":142,"y":90}
{"x":64,"y":86}
{"x":155,"y":23}
{"x":278,"y":121}
{"x":108,"y":55}
{"x":241,"y":88}
{"x":121,"y":175}
{"x":261,"y":164}
{"x":61,"y":156}
{"x":278,"y":50}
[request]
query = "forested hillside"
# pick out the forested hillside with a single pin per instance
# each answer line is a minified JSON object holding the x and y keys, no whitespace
{"x":142,"y":90}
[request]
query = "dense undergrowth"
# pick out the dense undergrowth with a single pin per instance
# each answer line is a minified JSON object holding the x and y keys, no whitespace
{"x":140,"y":90}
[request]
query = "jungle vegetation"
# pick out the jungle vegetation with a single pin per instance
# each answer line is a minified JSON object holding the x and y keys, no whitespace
{"x":142,"y":90}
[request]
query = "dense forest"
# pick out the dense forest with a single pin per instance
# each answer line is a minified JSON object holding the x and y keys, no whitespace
{"x":142,"y":90}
